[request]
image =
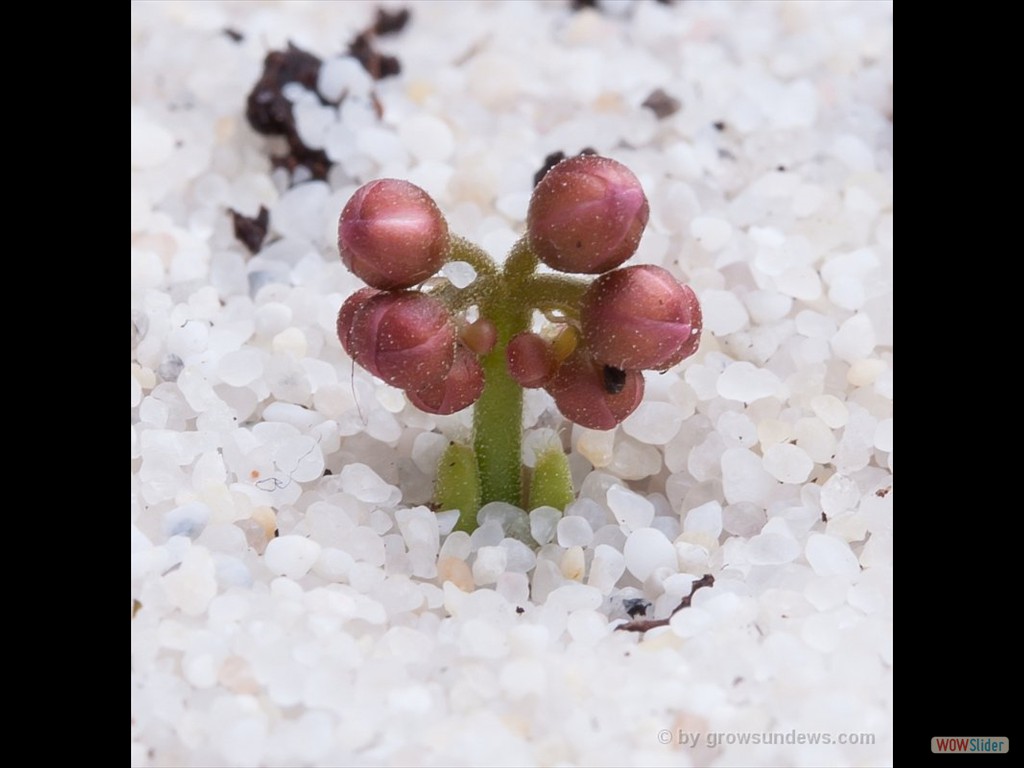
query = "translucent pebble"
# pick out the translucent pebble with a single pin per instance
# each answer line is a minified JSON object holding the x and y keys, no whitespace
{"x":151,"y":143}
{"x":427,"y":137}
{"x":574,"y":597}
{"x":480,"y":638}
{"x":831,"y":410}
{"x":519,"y":557}
{"x":300,"y":458}
{"x":192,"y":585}
{"x":767,"y":306}
{"x":136,"y":392}
{"x":712,"y":233}
{"x":586,"y":626}
{"x":241,"y":367}
{"x":653,"y":422}
{"x":489,"y":534}
{"x":459,"y":273}
{"x":366,"y":485}
{"x":272,"y":318}
{"x":543,"y":521}
{"x":573,"y":563}
{"x":772,"y":549}
{"x":299,"y":213}
{"x":788,"y":463}
{"x":883,"y":435}
{"x":855,"y":339}
{"x":418,"y":527}
{"x":186,"y":520}
{"x":456,"y":571}
{"x":291,"y":342}
{"x":291,"y":555}
{"x":745,"y":382}
{"x":706,"y":519}
{"x":490,"y":563}
{"x":427,"y":448}
{"x":831,"y":556}
{"x":522,"y":677}
{"x":737,"y":428}
{"x":646,"y":550}
{"x":743,"y":519}
{"x":457,"y":544}
{"x":815,"y":325}
{"x":723,"y":312}
{"x":198,"y":392}
{"x":816,"y":439}
{"x":607,"y":565}
{"x":365,"y":545}
{"x":634,"y":461}
{"x":574,"y":531}
{"x":631,"y":509}
{"x":508,"y":516}
{"x":596,"y":446}
{"x":744,"y":478}
{"x":800,"y":282}
{"x":341,"y":76}
{"x":838,"y":495}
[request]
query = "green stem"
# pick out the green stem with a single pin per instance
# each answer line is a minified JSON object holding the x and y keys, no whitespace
{"x":463,"y":250}
{"x":498,"y":414}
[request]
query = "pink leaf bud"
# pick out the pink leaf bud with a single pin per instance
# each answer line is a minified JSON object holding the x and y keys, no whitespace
{"x":640,"y":318}
{"x":459,"y":389}
{"x":531,"y":359}
{"x":392,"y":234}
{"x":403,"y":337}
{"x":587,"y":215}
{"x":592,"y":396}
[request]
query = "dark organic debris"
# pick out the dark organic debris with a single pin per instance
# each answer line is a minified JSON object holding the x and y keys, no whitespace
{"x":642,"y":625}
{"x":390,"y":22}
{"x":378,"y":64}
{"x":251,"y":230}
{"x":662,"y":104}
{"x":269,"y":112}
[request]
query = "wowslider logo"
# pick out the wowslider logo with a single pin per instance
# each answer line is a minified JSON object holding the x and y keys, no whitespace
{"x":975,"y":744}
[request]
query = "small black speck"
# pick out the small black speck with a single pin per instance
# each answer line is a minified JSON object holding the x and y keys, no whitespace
{"x":719,"y":125}
{"x":780,"y":168}
{"x":636,"y":606}
{"x":520,"y":609}
{"x":824,"y":517}
{"x":662,"y":104}
{"x":233,"y":35}
{"x":277,"y":532}
{"x":327,"y":472}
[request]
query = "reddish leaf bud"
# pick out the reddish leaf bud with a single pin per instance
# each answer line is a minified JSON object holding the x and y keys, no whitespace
{"x":587,"y":215}
{"x":392,"y":234}
{"x":348,"y":312}
{"x":586,"y":396}
{"x":403,"y":337}
{"x":531,"y":359}
{"x":459,"y":389}
{"x":480,"y":336}
{"x":640,"y":318}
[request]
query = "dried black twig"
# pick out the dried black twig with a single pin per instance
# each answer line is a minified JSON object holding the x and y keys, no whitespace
{"x":642,"y":625}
